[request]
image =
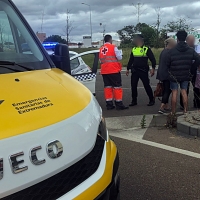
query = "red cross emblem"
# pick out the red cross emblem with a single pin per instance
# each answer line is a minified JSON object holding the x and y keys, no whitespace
{"x":104,"y":51}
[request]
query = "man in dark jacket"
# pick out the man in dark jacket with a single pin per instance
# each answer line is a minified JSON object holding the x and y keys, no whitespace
{"x":179,"y":62}
{"x":138,"y":64}
{"x":196,"y":102}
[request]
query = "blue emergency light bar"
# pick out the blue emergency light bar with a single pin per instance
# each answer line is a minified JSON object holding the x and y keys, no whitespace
{"x":49,"y":45}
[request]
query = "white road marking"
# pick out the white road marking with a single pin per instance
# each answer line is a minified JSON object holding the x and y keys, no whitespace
{"x":160,"y":146}
{"x":128,"y":127}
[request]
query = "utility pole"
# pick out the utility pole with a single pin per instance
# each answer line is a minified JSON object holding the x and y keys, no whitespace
{"x":104,"y":30}
{"x":158,"y":22}
{"x":90,"y":19}
{"x":42,"y":21}
{"x":139,"y":10}
{"x":67,"y":27}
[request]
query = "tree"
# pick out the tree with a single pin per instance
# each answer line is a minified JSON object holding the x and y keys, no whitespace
{"x":69,"y":26}
{"x":2,"y":30}
{"x":128,"y":33}
{"x":55,"y":38}
{"x":149,"y":34}
{"x":157,"y":27}
{"x":180,"y":24}
{"x":174,"y":26}
{"x":104,"y":30}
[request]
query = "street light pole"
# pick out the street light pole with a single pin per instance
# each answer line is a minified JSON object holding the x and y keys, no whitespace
{"x":90,"y":19}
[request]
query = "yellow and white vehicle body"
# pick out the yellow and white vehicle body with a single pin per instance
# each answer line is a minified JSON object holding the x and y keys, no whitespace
{"x":53,"y":140}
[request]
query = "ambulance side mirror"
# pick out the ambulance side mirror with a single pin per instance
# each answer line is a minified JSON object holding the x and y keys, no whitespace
{"x":61,"y":58}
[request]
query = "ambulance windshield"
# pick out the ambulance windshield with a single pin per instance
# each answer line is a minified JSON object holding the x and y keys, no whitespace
{"x":16,"y":44}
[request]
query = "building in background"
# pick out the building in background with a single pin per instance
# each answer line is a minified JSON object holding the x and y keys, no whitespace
{"x":41,"y":36}
{"x":95,"y":44}
{"x":117,"y":43}
{"x":73,"y":45}
{"x":196,"y":34}
{"x":87,"y":41}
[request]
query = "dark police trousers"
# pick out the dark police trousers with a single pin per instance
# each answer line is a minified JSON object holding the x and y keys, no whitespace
{"x":144,"y":77}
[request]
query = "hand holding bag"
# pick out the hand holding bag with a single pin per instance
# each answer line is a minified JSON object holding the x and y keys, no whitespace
{"x":159,"y":90}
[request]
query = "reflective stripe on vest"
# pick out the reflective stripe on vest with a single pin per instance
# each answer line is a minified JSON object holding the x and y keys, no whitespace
{"x":103,"y":61}
{"x":108,"y":59}
{"x":140,"y":51}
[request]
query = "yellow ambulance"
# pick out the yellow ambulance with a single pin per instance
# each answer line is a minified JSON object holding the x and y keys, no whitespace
{"x":53,"y":139}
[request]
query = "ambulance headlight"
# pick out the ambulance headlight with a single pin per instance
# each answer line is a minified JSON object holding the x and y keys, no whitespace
{"x":102,"y":131}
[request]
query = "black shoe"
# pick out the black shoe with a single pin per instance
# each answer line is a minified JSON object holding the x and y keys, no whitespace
{"x":133,"y":104}
{"x":111,"y":108}
{"x":151,"y":103}
{"x":123,"y":107}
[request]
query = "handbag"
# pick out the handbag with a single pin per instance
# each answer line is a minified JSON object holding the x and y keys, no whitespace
{"x":159,"y":90}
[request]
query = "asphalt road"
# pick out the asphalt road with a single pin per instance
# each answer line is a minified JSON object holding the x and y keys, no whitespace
{"x":149,"y":173}
{"x":143,"y":100}
{"x":162,"y":164}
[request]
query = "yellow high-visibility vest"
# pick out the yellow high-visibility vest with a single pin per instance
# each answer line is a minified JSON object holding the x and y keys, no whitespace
{"x":140,"y":51}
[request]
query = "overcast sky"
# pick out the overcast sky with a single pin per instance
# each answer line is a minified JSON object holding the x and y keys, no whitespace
{"x":115,"y":14}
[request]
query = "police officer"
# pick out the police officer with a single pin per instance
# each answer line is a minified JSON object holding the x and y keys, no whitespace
{"x":138,"y":64}
{"x":109,"y":56}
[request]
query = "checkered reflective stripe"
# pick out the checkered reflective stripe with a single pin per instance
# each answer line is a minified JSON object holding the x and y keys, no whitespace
{"x":84,"y":77}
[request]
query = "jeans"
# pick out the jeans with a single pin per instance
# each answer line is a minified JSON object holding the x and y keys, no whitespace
{"x":183,"y":85}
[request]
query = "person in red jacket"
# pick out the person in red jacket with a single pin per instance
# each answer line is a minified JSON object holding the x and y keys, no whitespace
{"x":109,"y":57}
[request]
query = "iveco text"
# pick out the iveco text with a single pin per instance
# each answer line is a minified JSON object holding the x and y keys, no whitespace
{"x":54,"y":150}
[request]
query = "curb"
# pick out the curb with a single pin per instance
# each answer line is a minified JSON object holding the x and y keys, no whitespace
{"x":187,"y":128}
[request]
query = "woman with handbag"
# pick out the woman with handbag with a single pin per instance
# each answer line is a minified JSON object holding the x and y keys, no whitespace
{"x":163,"y":75}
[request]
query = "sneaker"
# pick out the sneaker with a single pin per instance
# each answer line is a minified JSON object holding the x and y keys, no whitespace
{"x":161,"y":111}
